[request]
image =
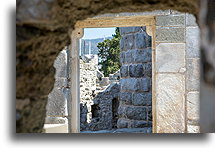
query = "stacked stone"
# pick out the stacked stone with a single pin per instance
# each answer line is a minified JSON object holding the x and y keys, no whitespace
{"x":192,"y":74}
{"x":177,"y":73}
{"x":135,"y":109}
{"x":88,"y":76}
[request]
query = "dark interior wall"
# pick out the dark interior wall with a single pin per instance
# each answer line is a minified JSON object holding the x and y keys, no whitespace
{"x":43,"y":28}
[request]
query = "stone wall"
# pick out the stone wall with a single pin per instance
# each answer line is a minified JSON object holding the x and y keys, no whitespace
{"x":98,"y":94}
{"x":177,"y":73}
{"x":56,"y":109}
{"x":135,"y":109}
{"x":98,"y":98}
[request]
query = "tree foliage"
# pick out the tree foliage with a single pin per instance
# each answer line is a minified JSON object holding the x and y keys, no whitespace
{"x":109,"y":51}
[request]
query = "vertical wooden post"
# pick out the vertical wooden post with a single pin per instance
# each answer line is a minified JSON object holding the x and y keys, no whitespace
{"x":75,"y":82}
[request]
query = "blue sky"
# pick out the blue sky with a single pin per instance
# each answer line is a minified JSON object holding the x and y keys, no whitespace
{"x":93,"y":33}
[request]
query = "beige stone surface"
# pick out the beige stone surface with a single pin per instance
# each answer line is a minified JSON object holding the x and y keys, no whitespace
{"x":193,"y":129}
{"x":170,"y":57}
{"x":193,"y":105}
{"x":170,"y":108}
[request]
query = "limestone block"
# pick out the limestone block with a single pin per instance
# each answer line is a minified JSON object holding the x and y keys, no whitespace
{"x":136,"y":70}
{"x":136,"y":112}
{"x":192,"y":42}
{"x":124,"y":71}
{"x":56,"y":105}
{"x":126,"y":97}
{"x":61,"y":82}
{"x":170,"y":100}
{"x":60,"y":64}
{"x":170,"y":57}
{"x":190,"y":20}
{"x":193,"y":106}
{"x":170,"y":34}
{"x":142,"y":99}
{"x":193,"y":74}
{"x":170,"y":20}
{"x":193,"y":129}
{"x":56,"y":120}
{"x":142,"y":56}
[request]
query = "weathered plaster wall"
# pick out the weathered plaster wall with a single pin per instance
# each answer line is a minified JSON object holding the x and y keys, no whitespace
{"x":135,"y":109}
{"x":35,"y":58}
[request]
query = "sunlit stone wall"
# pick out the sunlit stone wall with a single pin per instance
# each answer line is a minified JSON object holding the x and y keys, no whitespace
{"x":177,"y":73}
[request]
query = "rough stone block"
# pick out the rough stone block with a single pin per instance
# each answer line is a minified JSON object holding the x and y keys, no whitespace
{"x":136,"y":112}
{"x":136,"y":70}
{"x":193,"y":74}
{"x":124,"y":71}
{"x":128,"y":56}
{"x":170,"y":34}
{"x":140,"y":40}
{"x":149,"y":113}
{"x":142,"y":56}
{"x":122,"y":123}
{"x":122,"y":44}
{"x":132,"y":84}
{"x":193,"y":106}
{"x":170,"y":20}
{"x":139,"y":124}
{"x":190,"y":20}
{"x":142,"y":99}
{"x":192,"y":42}
{"x":148,"y":69}
{"x":170,"y":57}
{"x":122,"y":57}
{"x":128,"y":42}
{"x":170,"y":102}
{"x":126,"y":98}
{"x":122,"y":111}
{"x":126,"y":30}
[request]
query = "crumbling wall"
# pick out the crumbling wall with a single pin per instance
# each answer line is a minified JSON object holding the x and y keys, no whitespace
{"x":40,"y":37}
{"x":135,"y":109}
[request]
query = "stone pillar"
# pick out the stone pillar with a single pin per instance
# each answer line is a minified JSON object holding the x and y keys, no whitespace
{"x":135,"y":85}
{"x":170,"y":73}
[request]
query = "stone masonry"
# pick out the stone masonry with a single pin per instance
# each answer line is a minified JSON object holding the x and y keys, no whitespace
{"x":177,"y":73}
{"x":135,"y":109}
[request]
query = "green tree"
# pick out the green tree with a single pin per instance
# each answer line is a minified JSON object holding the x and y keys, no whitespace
{"x":109,"y":51}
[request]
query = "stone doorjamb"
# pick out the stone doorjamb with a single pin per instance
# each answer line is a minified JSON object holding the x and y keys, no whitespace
{"x":77,"y":33}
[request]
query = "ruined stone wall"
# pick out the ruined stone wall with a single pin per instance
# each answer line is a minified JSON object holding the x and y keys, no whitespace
{"x":98,"y":96}
{"x":35,"y":58}
{"x":135,"y":109}
{"x":56,"y":109}
{"x":177,"y":73}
